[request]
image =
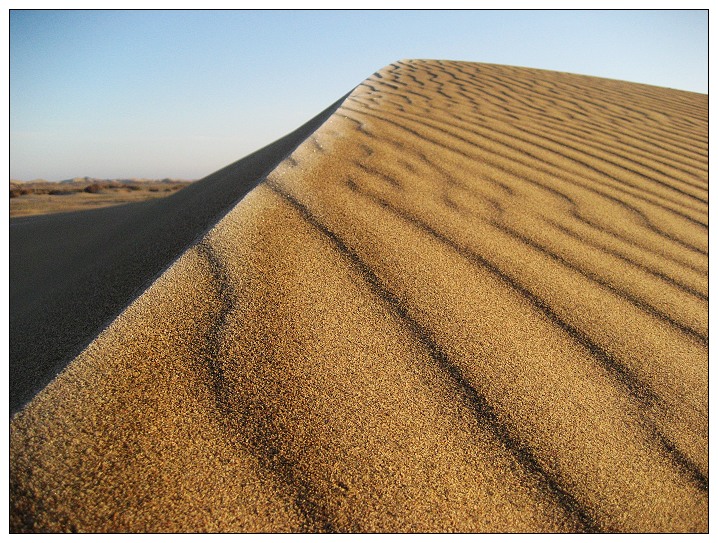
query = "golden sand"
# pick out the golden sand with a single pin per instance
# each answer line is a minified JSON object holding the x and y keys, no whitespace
{"x":474,"y":300}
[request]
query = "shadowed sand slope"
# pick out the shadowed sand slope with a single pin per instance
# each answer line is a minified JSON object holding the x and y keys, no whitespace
{"x":474,"y":299}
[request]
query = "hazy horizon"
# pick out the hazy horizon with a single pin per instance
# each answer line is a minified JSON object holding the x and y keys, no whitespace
{"x":87,"y":177}
{"x":181,"y":94}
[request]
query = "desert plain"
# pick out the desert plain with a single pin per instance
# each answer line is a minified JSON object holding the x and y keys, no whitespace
{"x":41,"y":197}
{"x":464,"y":298}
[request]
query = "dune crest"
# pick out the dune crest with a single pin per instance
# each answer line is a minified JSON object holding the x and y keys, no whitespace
{"x":474,"y":299}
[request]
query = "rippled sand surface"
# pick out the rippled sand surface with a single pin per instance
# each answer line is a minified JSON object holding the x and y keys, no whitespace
{"x":474,"y":300}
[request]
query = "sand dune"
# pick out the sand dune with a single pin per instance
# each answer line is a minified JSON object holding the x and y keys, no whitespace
{"x":474,"y":299}
{"x":72,"y":273}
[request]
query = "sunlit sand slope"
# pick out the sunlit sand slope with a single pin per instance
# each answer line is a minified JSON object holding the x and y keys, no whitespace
{"x":475,"y":299}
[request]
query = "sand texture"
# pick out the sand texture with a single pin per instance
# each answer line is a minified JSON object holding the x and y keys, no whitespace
{"x":474,"y":299}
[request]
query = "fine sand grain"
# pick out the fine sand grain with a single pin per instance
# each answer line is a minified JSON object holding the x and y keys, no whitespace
{"x":474,"y":299}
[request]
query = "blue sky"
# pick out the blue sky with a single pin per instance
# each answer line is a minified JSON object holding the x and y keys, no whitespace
{"x":183,"y":93}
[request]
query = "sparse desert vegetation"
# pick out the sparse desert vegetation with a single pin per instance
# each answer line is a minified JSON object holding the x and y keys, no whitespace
{"x":41,"y":197}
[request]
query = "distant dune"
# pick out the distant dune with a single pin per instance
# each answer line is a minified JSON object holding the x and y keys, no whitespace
{"x":464,"y":298}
